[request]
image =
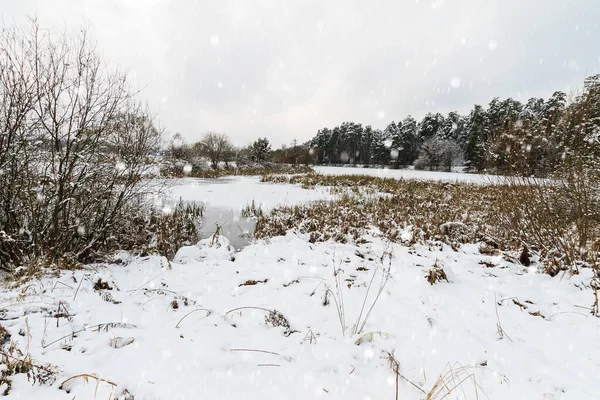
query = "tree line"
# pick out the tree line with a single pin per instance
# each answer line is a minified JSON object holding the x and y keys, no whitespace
{"x":506,"y":137}
{"x":218,"y":149}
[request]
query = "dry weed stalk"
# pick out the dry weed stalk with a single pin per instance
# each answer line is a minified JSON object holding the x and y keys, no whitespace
{"x":500,"y":330}
{"x":86,"y":378}
{"x":272,"y":317}
{"x":338,"y":295}
{"x":394,"y":365}
{"x":215,"y":236}
{"x":596,"y":282}
{"x":452,"y":378}
{"x":208,"y":312}
{"x":310,"y":337}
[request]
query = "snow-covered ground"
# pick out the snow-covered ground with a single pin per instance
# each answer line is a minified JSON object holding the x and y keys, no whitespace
{"x":158,"y":330}
{"x":408,"y":174}
{"x":129,"y":332}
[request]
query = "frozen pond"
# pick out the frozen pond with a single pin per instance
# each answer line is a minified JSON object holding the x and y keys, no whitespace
{"x":224,"y":199}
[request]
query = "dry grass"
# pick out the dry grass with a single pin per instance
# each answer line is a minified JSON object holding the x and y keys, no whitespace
{"x":208,"y":312}
{"x":507,"y":216}
{"x":457,"y":381}
{"x":14,"y":361}
{"x":273,"y":318}
{"x":252,"y":211}
{"x":436,"y":274}
{"x":422,"y":207}
{"x":86,"y":378}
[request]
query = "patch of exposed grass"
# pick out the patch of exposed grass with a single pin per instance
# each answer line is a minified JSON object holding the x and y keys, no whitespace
{"x":252,"y":211}
{"x":502,"y":216}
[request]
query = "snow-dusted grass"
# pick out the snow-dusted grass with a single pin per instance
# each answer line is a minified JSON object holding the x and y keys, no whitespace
{"x":409,"y":174}
{"x":548,"y":349}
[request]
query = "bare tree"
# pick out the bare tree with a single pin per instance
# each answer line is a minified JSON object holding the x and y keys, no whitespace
{"x":74,"y":147}
{"x":178,"y":148}
{"x":215,"y":146}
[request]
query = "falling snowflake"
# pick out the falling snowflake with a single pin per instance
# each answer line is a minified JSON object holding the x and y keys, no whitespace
{"x":177,"y":143}
{"x":455,"y":82}
{"x":344,"y":156}
{"x":388,"y":143}
{"x":214,"y":40}
{"x":187,"y":168}
{"x":394,"y":154}
{"x":492,"y":45}
{"x":573,"y":65}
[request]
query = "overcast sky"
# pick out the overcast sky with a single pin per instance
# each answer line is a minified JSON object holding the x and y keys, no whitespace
{"x":286,"y":68}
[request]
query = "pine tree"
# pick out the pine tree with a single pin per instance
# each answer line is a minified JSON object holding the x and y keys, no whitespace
{"x":477,"y":130}
{"x":261,"y":149}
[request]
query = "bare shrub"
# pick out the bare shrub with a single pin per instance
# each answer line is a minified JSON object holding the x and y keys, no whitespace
{"x":74,"y":149}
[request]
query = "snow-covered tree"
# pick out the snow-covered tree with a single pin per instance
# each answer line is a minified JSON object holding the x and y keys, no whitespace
{"x":437,"y":153}
{"x":261,"y":149}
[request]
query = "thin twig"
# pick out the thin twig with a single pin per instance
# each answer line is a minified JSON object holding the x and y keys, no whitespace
{"x":79,"y":286}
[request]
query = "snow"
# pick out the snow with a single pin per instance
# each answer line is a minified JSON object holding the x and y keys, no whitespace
{"x":213,"y":353}
{"x":409,"y":174}
{"x":508,"y":331}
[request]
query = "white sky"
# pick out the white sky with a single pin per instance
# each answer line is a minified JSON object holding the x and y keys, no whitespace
{"x":286,"y":68}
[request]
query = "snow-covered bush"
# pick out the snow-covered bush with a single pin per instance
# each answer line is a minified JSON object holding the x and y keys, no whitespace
{"x":75,"y":148}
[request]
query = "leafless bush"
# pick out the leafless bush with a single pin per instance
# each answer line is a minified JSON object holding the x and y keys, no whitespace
{"x":75,"y":146}
{"x":216,"y":147}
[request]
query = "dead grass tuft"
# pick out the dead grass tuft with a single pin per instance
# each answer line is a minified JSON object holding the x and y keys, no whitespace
{"x":436,"y":274}
{"x":454,"y":379}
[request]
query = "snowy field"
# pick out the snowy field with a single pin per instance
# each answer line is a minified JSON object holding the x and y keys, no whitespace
{"x":147,"y":328}
{"x":156,"y":332}
{"x":408,"y":174}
